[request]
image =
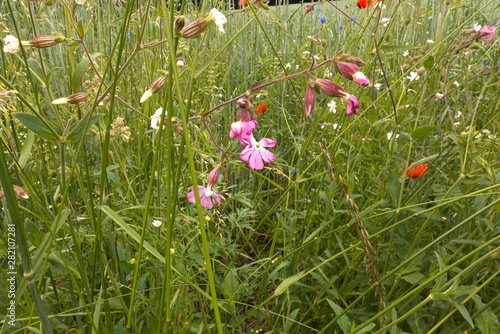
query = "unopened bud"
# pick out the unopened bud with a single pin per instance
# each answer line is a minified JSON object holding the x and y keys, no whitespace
{"x":309,"y":100}
{"x":407,"y":21}
{"x":213,"y":177}
{"x":21,"y":192}
{"x":179,"y":24}
{"x":76,"y":98}
{"x":180,"y":62}
{"x":243,"y":103}
{"x":331,"y":89}
{"x":154,"y":88}
{"x":244,"y":115}
{"x":41,"y":42}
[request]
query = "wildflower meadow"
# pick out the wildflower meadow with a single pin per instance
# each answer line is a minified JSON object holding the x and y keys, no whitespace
{"x":249,"y":166}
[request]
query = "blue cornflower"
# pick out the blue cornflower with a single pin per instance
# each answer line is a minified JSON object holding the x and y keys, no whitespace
{"x":341,"y":27}
{"x":294,"y":172}
{"x":322,"y":20}
{"x":128,"y":35}
{"x":318,"y":10}
{"x":353,"y":18}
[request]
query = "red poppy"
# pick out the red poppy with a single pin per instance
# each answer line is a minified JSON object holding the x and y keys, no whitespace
{"x":364,"y":3}
{"x":261,"y":108}
{"x":242,"y":3}
{"x":417,"y":171}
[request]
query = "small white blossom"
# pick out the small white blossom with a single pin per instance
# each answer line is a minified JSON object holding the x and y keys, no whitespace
{"x":406,"y":53}
{"x":385,"y":21}
{"x":11,"y":44}
{"x":335,"y":126}
{"x":439,"y":96}
{"x":333,"y":106}
{"x":80,"y":2}
{"x":459,"y":114}
{"x":219,"y":19}
{"x":413,"y":76}
{"x":156,"y":118}
{"x":146,"y":96}
{"x":306,"y":52}
{"x":288,"y":65}
{"x":456,"y":83}
{"x":377,"y":86}
{"x":157,"y":223}
{"x":389,"y":135}
{"x":430,"y":41}
{"x":477,"y":26}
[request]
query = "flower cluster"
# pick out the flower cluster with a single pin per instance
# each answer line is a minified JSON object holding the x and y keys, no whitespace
{"x":206,"y":194}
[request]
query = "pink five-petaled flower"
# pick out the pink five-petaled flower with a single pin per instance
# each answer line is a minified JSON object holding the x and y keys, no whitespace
{"x":488,"y":32}
{"x":206,"y":195}
{"x":255,"y":152}
{"x":352,"y":104}
{"x":360,"y":79}
{"x":242,"y":130}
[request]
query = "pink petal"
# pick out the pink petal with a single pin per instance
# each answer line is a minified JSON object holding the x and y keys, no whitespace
{"x":267,"y":156}
{"x":190,"y":196}
{"x":236,"y":129}
{"x":255,"y":161}
{"x":218,"y":198}
{"x":267,"y":142}
{"x":245,"y":154}
{"x":206,"y":202}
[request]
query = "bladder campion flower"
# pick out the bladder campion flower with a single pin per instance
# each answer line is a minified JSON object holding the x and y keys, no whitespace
{"x":156,"y":118}
{"x":157,"y":223}
{"x":417,"y":171}
{"x":413,"y":76}
{"x":11,"y":44}
{"x":255,"y":152}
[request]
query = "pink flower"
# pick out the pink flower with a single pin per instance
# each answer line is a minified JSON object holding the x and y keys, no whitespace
{"x":206,"y":195}
{"x":255,"y":152}
{"x":242,"y":130}
{"x":488,"y":32}
{"x":352,"y":105}
{"x":360,"y":79}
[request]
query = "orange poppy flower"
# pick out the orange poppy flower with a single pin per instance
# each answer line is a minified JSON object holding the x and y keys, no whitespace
{"x":364,"y":3}
{"x":417,"y":171}
{"x":242,"y":3}
{"x":261,"y":108}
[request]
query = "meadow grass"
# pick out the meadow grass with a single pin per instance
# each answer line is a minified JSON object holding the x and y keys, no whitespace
{"x":333,"y":236}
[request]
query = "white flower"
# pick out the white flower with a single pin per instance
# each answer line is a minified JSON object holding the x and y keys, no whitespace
{"x":413,"y":76}
{"x":377,"y":86}
{"x":478,"y":134}
{"x":430,"y":41}
{"x":333,"y":106}
{"x":156,"y":118}
{"x":439,"y":96}
{"x":11,"y":44}
{"x":219,"y":19}
{"x":157,"y":223}
{"x":297,"y":67}
{"x":385,"y":21}
{"x":80,"y":2}
{"x":146,"y":96}
{"x":306,"y":52}
{"x":389,"y":135}
{"x":316,"y":57}
{"x":456,"y":123}
{"x":288,"y":65}
{"x":406,"y":53}
{"x":477,"y":26}
{"x":459,"y":113}
{"x":456,"y":83}
{"x":335,"y":126}
{"x":60,"y":101}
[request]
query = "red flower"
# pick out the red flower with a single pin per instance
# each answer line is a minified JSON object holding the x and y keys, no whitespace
{"x":364,"y":3}
{"x":417,"y":171}
{"x":261,"y":108}
{"x":242,"y":3}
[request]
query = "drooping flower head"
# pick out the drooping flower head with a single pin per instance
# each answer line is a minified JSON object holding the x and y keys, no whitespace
{"x":309,"y":100}
{"x":206,"y":195}
{"x":11,"y":44}
{"x":360,"y":79}
{"x":352,"y":105}
{"x":218,"y":18}
{"x":156,"y":119}
{"x":255,"y":152}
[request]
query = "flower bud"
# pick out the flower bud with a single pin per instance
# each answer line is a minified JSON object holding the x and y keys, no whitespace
{"x":360,"y":79}
{"x":21,"y":192}
{"x":158,"y":84}
{"x":76,"y":98}
{"x":309,"y":100}
{"x":352,"y":104}
{"x":309,"y":7}
{"x":180,"y":62}
{"x":213,"y":177}
{"x":195,"y":28}
{"x":331,"y":89}
{"x":41,"y":42}
{"x":179,"y":25}
{"x":60,"y":101}
{"x":243,"y":103}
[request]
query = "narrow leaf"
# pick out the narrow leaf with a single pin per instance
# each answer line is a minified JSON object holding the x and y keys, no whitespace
{"x":287,"y":283}
{"x":36,"y":125}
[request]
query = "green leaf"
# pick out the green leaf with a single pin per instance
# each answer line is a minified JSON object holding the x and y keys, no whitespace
{"x":394,"y":188}
{"x":343,"y":321}
{"x":220,"y":50}
{"x":287,"y":283}
{"x":26,"y":150}
{"x":36,"y":70}
{"x":486,"y":321}
{"x":79,"y":28}
{"x":36,"y":125}
{"x":429,"y":63}
{"x":463,"y":311}
{"x":77,"y":131}
{"x":80,"y":71}
{"x":422,"y":131}
{"x":366,"y":328}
